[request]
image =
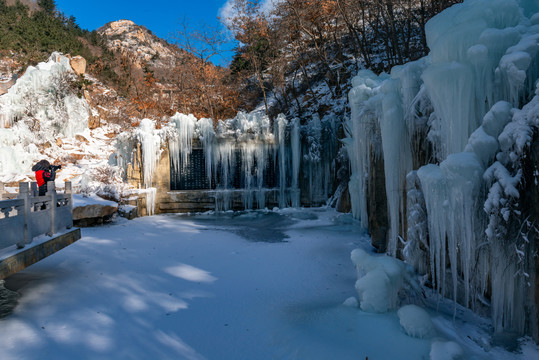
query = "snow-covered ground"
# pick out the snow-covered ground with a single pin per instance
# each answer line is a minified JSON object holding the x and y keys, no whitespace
{"x":249,"y":285}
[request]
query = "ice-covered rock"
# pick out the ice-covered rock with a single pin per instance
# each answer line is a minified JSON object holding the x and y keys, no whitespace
{"x":351,"y":302}
{"x":382,"y":280}
{"x":90,"y":210}
{"x":415,"y":321}
{"x":449,"y":350}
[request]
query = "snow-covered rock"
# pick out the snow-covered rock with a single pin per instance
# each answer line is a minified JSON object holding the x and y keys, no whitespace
{"x":90,"y":209}
{"x":449,"y":350}
{"x":415,"y":321}
{"x":381,"y":281}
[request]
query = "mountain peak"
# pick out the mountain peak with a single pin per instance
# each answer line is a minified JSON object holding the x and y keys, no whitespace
{"x":127,"y":37}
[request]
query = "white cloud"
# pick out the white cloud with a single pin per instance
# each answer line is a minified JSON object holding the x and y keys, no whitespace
{"x":227,"y":11}
{"x":268,"y":5}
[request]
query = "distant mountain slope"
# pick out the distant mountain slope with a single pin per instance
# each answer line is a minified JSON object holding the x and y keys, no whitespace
{"x":152,"y":77}
{"x":126,"y":36}
{"x":29,"y":34}
{"x":32,"y":4}
{"x":162,"y":79}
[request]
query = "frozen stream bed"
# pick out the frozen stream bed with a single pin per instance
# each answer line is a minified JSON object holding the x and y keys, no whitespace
{"x":230,"y":286}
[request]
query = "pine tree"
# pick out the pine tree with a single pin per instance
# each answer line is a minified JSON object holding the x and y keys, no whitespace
{"x":48,"y":6}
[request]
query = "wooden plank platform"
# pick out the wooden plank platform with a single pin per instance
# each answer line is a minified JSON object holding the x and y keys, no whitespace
{"x":13,"y":260}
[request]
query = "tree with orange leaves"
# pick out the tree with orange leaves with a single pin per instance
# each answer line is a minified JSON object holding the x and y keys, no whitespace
{"x":204,"y":83}
{"x":255,"y":50}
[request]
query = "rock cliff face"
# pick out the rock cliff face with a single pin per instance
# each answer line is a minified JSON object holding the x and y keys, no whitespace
{"x":126,"y":37}
{"x":32,"y":4}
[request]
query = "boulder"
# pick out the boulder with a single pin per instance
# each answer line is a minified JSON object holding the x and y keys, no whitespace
{"x":92,"y":210}
{"x":94,"y":122}
{"x":78,"y":64}
{"x":81,"y":138}
{"x":128,"y":211}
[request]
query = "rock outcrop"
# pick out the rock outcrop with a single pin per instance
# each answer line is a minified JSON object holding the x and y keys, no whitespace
{"x":127,"y":37}
{"x":78,"y":64}
{"x":92,"y":210}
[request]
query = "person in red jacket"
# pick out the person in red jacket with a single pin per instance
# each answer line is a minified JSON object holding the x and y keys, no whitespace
{"x":44,"y":172}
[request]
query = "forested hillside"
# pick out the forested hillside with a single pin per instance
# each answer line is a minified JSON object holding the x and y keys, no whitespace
{"x":33,"y":33}
{"x":30,"y":32}
{"x":300,"y":58}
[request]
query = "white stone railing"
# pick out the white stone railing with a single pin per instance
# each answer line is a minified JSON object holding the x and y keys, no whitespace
{"x":29,"y":215}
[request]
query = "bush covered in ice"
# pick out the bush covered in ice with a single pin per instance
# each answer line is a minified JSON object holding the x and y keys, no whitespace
{"x":445,"y":351}
{"x":415,"y":321}
{"x":382,"y":281}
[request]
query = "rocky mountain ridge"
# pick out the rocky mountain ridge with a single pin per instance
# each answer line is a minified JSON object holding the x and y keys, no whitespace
{"x":124,"y":36}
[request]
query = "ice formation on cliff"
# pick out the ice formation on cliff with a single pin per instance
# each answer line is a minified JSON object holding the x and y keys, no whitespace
{"x":38,"y":108}
{"x":464,"y":98}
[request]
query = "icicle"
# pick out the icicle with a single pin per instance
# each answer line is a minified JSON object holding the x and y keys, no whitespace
{"x":207,"y":137}
{"x":181,"y":144}
{"x":397,"y":156}
{"x":417,"y":220}
{"x":329,"y":149}
{"x":434,"y":189}
{"x":296,"y":158}
{"x":363,"y":138}
{"x":281,"y":125}
{"x":313,"y":156}
{"x":150,"y":200}
{"x":151,"y":149}
{"x":484,"y":60}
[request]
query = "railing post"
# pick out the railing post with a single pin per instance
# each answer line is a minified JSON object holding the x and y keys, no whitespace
{"x":69,"y":193}
{"x":51,"y":193}
{"x":24,"y":195}
{"x":34,"y":191}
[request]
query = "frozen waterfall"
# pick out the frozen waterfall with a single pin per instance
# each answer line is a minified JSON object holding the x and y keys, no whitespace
{"x":246,"y":154}
{"x":461,"y":105}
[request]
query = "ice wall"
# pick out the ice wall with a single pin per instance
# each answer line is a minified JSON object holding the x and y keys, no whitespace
{"x":252,"y":135}
{"x":38,"y":108}
{"x":482,"y":67}
{"x":511,"y":230}
{"x":363,"y":137}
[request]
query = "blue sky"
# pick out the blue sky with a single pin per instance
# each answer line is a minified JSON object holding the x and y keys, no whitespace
{"x":160,"y":16}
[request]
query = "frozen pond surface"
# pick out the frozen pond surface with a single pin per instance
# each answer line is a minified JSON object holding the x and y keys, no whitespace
{"x":230,"y":286}
{"x":253,"y":226}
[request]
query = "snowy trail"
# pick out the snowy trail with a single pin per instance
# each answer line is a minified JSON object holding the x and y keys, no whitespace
{"x":178,"y":287}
